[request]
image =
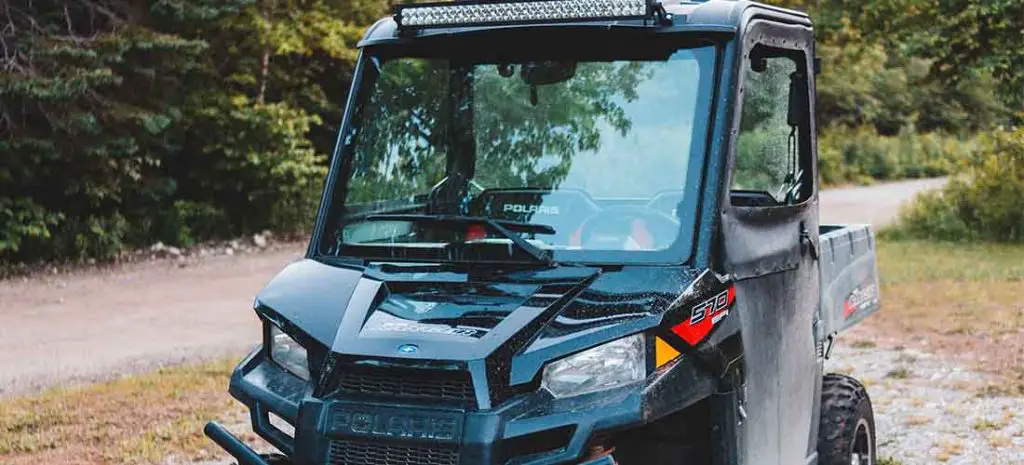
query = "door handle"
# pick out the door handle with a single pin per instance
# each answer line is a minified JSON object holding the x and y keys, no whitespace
{"x":807,"y":242}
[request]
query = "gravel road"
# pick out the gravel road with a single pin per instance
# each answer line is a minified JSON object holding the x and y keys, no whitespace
{"x":929,"y":410}
{"x":876,"y":205}
{"x":100,"y":324}
{"x":92,"y":325}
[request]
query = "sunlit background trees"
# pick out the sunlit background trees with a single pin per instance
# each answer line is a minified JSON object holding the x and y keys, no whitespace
{"x":124,"y":123}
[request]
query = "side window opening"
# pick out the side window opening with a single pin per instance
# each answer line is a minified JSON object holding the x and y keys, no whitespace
{"x":772,"y":156}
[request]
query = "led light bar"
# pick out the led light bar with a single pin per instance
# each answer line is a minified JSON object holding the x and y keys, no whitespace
{"x":478,"y":12}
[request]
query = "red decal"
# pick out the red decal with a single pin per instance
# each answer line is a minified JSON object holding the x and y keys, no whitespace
{"x":862,"y":297}
{"x":705,"y":316}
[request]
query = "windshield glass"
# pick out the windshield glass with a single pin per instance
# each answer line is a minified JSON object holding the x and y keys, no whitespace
{"x":590,"y":161}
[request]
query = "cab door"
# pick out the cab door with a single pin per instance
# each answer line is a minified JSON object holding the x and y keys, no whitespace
{"x":769,"y":237}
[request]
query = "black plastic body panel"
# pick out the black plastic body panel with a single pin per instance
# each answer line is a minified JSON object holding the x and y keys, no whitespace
{"x":759,"y":366}
{"x":480,"y":435}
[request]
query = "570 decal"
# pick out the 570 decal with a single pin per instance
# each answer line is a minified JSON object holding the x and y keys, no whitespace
{"x":704,"y":317}
{"x":715,"y":308}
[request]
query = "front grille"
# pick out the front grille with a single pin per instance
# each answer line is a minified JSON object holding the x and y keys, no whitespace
{"x":434,"y":385}
{"x":367,"y":453}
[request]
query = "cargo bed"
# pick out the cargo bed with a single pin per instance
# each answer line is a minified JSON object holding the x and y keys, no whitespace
{"x":849,"y":276}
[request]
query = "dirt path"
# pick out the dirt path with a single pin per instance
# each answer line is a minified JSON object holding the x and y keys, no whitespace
{"x":877,"y":205}
{"x":93,"y":325}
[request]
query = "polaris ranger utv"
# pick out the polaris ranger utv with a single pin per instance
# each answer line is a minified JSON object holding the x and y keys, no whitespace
{"x":569,"y":232}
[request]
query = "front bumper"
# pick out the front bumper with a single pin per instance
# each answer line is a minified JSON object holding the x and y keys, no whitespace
{"x":531,"y":429}
{"x":246,"y":456}
{"x":232,"y":445}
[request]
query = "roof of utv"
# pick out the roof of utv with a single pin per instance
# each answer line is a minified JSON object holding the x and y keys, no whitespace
{"x":712,"y":16}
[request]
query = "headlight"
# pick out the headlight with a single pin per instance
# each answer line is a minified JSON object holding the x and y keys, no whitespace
{"x":288,"y":353}
{"x":606,"y":366}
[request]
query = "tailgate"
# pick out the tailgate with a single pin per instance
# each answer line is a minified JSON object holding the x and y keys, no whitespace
{"x":849,"y":276}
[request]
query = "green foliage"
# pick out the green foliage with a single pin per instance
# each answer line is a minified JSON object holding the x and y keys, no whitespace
{"x":122,"y":123}
{"x":867,"y":84}
{"x":883,"y":61}
{"x":860,"y":155}
{"x":907,"y":86}
{"x":986,"y":202}
{"x":83,"y":116}
{"x":21,"y":218}
{"x":260,"y":168}
{"x":962,"y":37}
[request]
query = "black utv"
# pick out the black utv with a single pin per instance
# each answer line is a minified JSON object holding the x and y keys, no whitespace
{"x":569,"y":232}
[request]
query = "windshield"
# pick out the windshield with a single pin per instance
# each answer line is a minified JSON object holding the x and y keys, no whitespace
{"x":588,"y":161}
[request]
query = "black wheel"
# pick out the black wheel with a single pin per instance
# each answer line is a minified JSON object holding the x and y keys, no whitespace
{"x":847,"y":432}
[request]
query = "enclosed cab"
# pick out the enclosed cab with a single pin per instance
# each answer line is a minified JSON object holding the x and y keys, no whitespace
{"x":569,"y":232}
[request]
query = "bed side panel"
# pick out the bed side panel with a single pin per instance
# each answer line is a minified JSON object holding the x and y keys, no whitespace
{"x":849,"y":276}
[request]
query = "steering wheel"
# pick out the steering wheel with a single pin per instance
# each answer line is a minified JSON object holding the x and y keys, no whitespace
{"x":628,"y":227}
{"x":449,"y":197}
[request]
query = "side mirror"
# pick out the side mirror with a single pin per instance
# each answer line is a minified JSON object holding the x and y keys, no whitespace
{"x":798,"y":106}
{"x":548,"y":72}
{"x":758,"y":64}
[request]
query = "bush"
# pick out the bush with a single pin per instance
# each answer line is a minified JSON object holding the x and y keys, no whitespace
{"x":259,"y":169}
{"x":21,"y":220}
{"x":985,"y":201}
{"x":173,"y":122}
{"x":861,"y":155}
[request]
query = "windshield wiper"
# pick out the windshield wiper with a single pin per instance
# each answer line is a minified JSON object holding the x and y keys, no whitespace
{"x":342,"y":261}
{"x":508,"y":229}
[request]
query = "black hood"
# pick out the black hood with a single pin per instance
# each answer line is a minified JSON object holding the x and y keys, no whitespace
{"x":518,"y":320}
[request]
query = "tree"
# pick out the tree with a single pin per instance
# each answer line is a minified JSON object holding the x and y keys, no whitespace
{"x":87,"y":95}
{"x":963,"y":37}
{"x":920,"y":64}
{"x":123,"y":123}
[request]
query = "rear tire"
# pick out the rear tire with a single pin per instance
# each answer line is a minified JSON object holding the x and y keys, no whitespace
{"x":846,"y":435}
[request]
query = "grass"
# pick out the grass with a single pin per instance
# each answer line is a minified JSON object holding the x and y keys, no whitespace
{"x":889,"y":461}
{"x":899,"y":373}
{"x":953,"y":289}
{"x":862,"y":344}
{"x":907,"y":262}
{"x":134,"y":420}
{"x":961,"y":299}
{"x":984,"y":425}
